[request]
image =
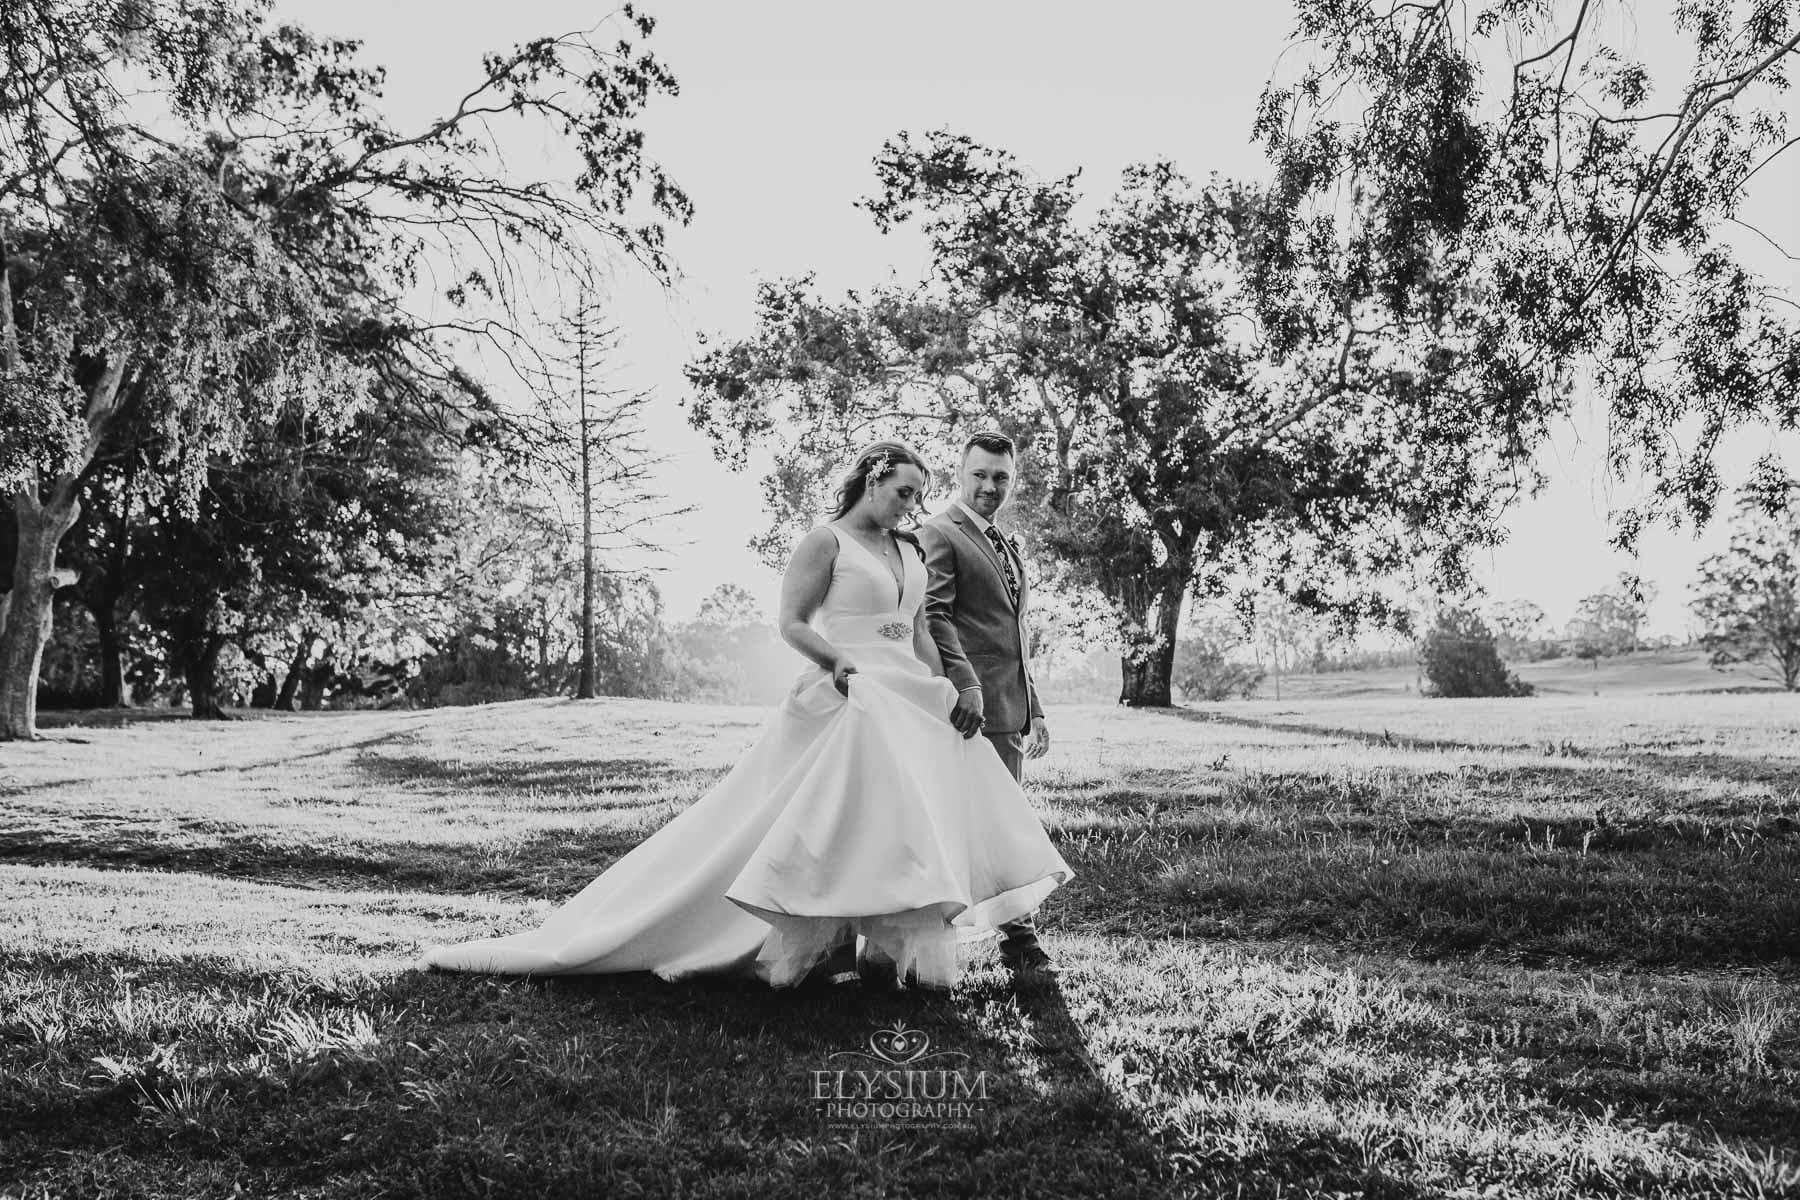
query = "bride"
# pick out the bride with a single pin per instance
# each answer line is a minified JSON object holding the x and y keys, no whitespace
{"x":859,"y":812}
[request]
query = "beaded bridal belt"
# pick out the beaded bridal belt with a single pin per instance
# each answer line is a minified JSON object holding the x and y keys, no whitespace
{"x":867,"y":629}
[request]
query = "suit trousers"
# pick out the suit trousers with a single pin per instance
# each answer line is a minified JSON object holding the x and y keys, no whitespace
{"x":1015,"y":935}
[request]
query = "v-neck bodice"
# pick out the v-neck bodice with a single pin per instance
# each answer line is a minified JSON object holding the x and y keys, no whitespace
{"x":881,"y":567}
{"x":864,"y":601}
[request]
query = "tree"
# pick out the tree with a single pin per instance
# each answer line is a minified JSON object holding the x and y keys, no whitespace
{"x":1607,"y":622}
{"x":1517,"y":625}
{"x":1162,"y":368}
{"x":586,"y":439}
{"x":1460,"y":659}
{"x":636,"y":653}
{"x":1515,"y":146}
{"x":309,"y":529}
{"x":98,"y":550}
{"x":1204,"y":666}
{"x":1284,"y":631}
{"x":197,"y":263}
{"x":732,"y":653}
{"x":1748,"y":598}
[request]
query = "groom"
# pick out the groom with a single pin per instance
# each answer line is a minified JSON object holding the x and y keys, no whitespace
{"x":975,"y":605}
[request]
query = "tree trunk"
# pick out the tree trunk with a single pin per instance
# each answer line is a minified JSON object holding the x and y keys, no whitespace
{"x":544,"y":686}
{"x":312,"y":686}
{"x":1148,"y":680}
{"x":112,"y":664}
{"x":41,"y":527}
{"x":1132,"y":599}
{"x":584,"y":682}
{"x":295,"y":673}
{"x":263,"y":694}
{"x":201,"y":674}
{"x":111,"y":589}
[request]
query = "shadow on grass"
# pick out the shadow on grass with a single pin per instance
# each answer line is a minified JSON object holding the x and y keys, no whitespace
{"x":1650,"y":769}
{"x":1623,"y":908}
{"x":1433,"y":862}
{"x":446,"y":1085}
{"x":534,"y":863}
{"x":579,"y":777}
{"x":544,"y":866}
{"x":285,"y":761}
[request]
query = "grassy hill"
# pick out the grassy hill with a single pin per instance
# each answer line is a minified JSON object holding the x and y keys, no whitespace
{"x":1329,"y":947}
{"x":1683,"y":669}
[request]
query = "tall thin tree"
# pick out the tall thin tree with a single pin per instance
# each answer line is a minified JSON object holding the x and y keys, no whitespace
{"x":584,"y":688}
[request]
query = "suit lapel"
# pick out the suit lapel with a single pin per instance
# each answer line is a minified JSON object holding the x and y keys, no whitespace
{"x":1024,"y":580}
{"x":968,"y":530}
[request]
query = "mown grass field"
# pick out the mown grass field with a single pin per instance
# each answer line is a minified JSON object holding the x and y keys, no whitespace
{"x":1684,"y":669}
{"x":1386,"y":948}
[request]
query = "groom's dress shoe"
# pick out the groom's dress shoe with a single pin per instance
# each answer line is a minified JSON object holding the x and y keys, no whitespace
{"x":882,"y":972}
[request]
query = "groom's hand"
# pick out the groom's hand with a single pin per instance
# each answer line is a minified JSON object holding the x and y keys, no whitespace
{"x":1040,"y":739}
{"x":966,"y":716}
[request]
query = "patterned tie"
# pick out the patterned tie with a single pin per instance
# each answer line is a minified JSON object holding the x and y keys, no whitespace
{"x":1006,"y":564}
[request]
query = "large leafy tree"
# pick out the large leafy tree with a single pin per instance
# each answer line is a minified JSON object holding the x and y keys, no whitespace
{"x":1748,"y":598}
{"x":309,"y":530}
{"x":1596,"y":202}
{"x":1173,"y":374}
{"x":194,"y":203}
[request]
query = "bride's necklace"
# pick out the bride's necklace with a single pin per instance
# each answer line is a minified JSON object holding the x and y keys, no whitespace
{"x":887,"y":542}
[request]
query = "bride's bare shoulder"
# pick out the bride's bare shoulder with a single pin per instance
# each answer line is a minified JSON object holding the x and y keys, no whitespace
{"x":819,"y":544}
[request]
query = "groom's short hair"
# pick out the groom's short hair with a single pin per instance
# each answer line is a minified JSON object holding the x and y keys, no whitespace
{"x":991,"y":440}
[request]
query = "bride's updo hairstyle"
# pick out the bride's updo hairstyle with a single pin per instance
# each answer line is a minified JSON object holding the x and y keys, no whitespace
{"x":871,"y":463}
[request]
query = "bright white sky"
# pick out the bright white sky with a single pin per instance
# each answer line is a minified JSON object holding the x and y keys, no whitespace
{"x":784,"y":103}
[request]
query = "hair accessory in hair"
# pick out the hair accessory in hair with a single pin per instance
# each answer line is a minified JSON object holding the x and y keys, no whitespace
{"x":880,"y":465}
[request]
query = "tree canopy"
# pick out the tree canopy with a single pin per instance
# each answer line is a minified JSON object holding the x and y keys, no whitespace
{"x":208,"y":222}
{"x":1595,"y":210}
{"x":1165,"y":373}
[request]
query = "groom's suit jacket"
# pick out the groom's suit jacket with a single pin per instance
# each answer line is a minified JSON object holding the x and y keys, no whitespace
{"x":979,"y":631}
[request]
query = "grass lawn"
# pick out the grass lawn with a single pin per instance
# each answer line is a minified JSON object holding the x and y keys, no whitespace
{"x":1644,"y":672}
{"x":1387,"y":948}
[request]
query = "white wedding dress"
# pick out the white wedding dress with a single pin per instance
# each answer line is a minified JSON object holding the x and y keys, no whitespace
{"x":862,"y":816}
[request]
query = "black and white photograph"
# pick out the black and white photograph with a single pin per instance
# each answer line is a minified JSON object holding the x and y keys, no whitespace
{"x":994,"y":599}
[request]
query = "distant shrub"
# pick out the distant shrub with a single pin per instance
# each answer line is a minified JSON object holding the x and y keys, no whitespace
{"x":1461,"y":658}
{"x":1340,"y":658}
{"x":1203,"y":669}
